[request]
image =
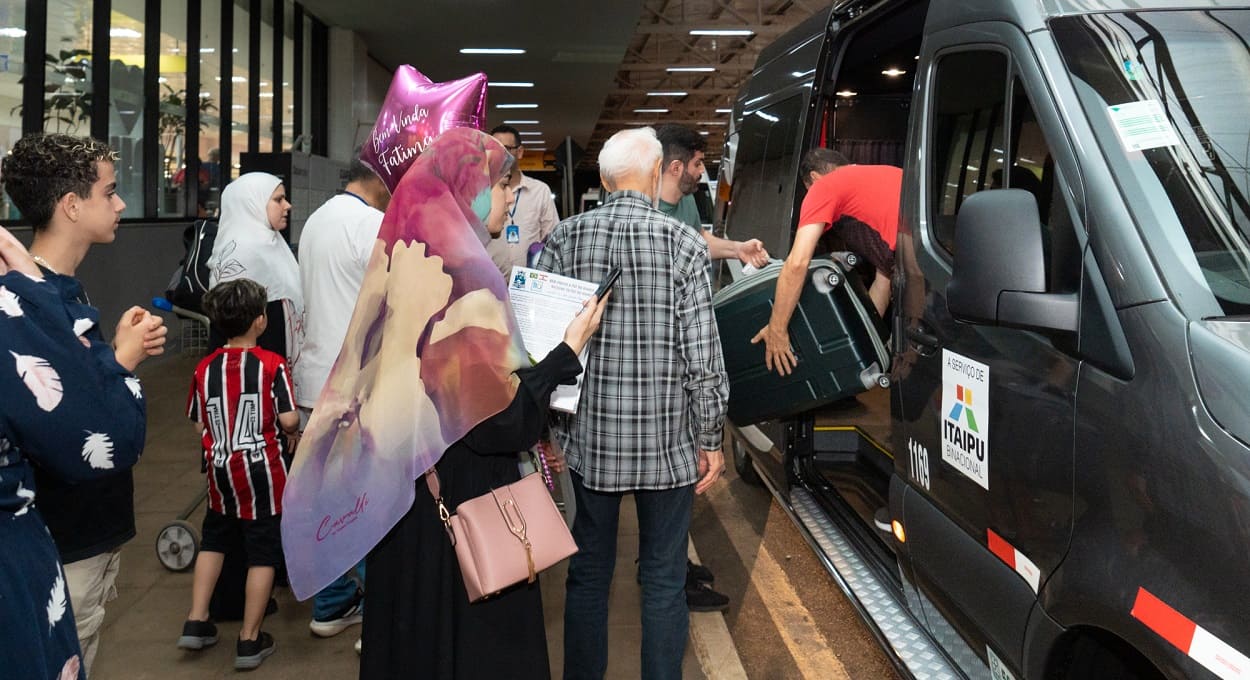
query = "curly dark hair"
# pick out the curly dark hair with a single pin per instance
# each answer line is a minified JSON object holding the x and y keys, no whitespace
{"x":42,"y":168}
{"x":821,"y":160}
{"x":232,"y":306}
{"x":680,"y":143}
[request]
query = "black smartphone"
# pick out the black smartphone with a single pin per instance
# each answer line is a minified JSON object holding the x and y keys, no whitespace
{"x":608,"y":282}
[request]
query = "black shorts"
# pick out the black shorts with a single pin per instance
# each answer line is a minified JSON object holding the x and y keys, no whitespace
{"x":261,"y":539}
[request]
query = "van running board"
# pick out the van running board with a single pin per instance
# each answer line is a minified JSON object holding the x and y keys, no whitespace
{"x":905,"y":640}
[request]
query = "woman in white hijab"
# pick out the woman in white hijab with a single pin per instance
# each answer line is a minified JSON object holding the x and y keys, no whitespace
{"x":254,"y":209}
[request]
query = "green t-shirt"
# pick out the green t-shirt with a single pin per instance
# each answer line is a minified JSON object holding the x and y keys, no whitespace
{"x":685,"y":211}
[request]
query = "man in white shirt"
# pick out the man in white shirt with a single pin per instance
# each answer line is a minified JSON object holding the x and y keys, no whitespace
{"x":334,"y":250}
{"x":532,"y":217}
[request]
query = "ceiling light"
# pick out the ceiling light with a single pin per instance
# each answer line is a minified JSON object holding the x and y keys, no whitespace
{"x":724,"y":110}
{"x":162,"y":79}
{"x":520,"y":122}
{"x":207,"y":50}
{"x":531,"y":133}
{"x":267,"y":95}
{"x":666,"y":93}
{"x":536,"y":148}
{"x":264,"y":84}
{"x":12,"y":32}
{"x":847,"y":93}
{"x":712,"y":122}
{"x":893,"y":72}
{"x":740,"y":32}
{"x":516,"y":106}
{"x":205,"y":95}
{"x":124,"y":33}
{"x":237,"y":106}
{"x":690,"y":69}
{"x":704,"y":132}
{"x":491,"y":50}
{"x":650,"y":110}
{"x":507,"y":84}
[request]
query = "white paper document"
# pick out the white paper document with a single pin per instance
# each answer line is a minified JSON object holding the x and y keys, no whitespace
{"x":544,"y":304}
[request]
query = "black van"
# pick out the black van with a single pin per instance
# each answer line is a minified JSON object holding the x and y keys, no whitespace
{"x":1057,"y":481}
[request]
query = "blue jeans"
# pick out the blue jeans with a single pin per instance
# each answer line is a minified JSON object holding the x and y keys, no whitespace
{"x":335,"y":597}
{"x":663,"y":527}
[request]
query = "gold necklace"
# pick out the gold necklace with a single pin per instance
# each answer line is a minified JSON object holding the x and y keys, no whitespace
{"x":44,"y":263}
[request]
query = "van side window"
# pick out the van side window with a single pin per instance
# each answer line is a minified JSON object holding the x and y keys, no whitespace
{"x":1032,"y":168}
{"x":969,"y":107}
{"x":762,"y":203}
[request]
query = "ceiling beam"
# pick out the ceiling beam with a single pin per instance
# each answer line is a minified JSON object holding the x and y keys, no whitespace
{"x":693,"y":92}
{"x":685,"y":28}
{"x":720,"y":68}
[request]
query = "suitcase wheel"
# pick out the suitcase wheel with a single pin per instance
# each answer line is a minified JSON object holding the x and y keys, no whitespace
{"x":176,"y":545}
{"x":825,"y":282}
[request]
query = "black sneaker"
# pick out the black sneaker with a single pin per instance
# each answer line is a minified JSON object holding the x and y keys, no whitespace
{"x":698,"y":572}
{"x":249,"y":654}
{"x":701,"y":598}
{"x":197,"y":635}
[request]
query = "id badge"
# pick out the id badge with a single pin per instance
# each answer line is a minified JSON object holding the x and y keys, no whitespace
{"x":513,"y":233}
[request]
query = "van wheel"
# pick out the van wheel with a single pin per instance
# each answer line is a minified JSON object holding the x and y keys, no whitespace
{"x":1103,"y":657}
{"x":744,"y":466}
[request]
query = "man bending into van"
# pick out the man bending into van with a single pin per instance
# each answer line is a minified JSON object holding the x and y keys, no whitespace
{"x":863,"y":201}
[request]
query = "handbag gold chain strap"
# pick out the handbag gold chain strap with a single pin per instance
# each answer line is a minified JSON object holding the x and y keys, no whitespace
{"x":512,"y":516}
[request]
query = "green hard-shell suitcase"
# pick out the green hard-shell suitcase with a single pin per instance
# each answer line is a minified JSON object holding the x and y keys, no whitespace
{"x":835,"y":334}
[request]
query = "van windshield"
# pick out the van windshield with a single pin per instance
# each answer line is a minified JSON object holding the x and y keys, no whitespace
{"x":1168,"y":96}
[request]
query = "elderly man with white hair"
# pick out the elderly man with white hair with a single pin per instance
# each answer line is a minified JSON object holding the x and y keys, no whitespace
{"x":652,"y":406}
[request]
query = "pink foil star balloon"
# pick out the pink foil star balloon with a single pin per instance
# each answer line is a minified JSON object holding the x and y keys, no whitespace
{"x":417,"y":110}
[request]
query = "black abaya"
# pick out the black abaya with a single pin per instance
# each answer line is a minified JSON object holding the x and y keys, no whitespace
{"x":418,"y":619}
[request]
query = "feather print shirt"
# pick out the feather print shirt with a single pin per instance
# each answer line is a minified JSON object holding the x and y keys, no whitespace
{"x":69,"y":408}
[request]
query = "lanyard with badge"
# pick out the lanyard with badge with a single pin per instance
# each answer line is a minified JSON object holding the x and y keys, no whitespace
{"x":512,"y":232}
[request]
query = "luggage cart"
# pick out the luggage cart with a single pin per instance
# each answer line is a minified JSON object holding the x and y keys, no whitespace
{"x":179,"y":541}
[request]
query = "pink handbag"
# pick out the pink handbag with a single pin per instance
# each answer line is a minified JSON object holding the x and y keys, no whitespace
{"x":505,"y":536}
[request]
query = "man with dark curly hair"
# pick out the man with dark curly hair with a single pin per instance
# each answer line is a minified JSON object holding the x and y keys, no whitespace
{"x":67,"y":187}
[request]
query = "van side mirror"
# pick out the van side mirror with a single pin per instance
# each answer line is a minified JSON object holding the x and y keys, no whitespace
{"x":999,"y":275}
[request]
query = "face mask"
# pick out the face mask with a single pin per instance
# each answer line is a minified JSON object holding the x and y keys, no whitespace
{"x":481,"y":205}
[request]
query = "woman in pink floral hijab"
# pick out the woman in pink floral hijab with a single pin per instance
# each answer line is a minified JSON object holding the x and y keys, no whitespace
{"x":430,"y":371}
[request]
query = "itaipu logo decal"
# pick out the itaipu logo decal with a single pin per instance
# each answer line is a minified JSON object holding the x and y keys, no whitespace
{"x":963,"y":408}
{"x":966,"y":410}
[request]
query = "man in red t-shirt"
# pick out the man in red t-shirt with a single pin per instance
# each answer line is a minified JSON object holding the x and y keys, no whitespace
{"x":863,"y":201}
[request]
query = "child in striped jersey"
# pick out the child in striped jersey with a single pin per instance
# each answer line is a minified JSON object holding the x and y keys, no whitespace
{"x":242,"y":403}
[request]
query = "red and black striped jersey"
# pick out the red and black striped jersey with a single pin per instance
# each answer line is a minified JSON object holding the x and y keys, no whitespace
{"x":237,"y":394}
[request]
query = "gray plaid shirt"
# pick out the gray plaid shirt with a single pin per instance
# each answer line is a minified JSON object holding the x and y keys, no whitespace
{"x":655,"y":387}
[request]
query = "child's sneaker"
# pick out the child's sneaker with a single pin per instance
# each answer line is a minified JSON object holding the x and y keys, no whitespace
{"x":197,"y":635}
{"x":350,"y":615}
{"x":249,"y":654}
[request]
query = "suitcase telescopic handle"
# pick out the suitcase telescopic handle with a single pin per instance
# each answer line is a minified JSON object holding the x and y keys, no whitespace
{"x":925,"y":340}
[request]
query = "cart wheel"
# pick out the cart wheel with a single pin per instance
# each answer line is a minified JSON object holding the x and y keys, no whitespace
{"x":884,"y":381}
{"x":176,"y":545}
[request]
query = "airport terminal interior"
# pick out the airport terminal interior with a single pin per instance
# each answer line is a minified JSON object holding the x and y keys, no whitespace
{"x":973,"y":272}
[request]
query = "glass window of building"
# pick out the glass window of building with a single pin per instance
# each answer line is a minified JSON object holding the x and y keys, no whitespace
{"x":266,"y":77}
{"x":306,"y":104}
{"x":288,"y":69}
{"x":67,"y":98}
{"x":238,"y":85}
{"x":210,"y":97}
{"x":12,"y":66}
{"x":173,"y":104}
{"x":126,"y":101}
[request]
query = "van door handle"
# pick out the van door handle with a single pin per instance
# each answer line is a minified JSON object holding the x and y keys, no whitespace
{"x":925,"y":341}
